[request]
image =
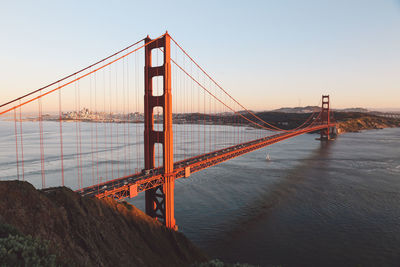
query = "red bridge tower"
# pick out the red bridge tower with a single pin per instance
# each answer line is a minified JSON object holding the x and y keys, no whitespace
{"x":159,"y":200}
{"x":325,"y":117}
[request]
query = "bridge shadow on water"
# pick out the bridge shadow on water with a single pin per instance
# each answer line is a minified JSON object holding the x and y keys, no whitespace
{"x":335,"y":204}
{"x":258,"y":211}
{"x":287,"y":186}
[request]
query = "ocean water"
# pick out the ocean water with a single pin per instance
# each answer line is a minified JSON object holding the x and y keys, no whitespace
{"x":312,"y":204}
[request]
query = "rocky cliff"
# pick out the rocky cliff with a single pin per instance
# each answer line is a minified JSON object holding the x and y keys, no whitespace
{"x":365,"y":122}
{"x":92,"y":232}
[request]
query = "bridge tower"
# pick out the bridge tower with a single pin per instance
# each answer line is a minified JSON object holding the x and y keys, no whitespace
{"x":159,"y":200}
{"x":325,"y":117}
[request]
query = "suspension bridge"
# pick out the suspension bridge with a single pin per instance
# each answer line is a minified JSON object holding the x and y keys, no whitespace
{"x":92,"y":131}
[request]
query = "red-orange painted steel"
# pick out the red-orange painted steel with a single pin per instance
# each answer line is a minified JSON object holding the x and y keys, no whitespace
{"x":159,"y":200}
{"x":121,"y":186}
{"x":133,"y":191}
{"x":325,"y":117}
{"x":70,"y":82}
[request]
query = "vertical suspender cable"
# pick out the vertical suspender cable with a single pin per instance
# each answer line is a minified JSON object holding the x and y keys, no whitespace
{"x":22,"y":142}
{"x":16,"y":142}
{"x":61,"y":137}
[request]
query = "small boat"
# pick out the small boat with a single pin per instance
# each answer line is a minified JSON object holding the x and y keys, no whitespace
{"x":268,"y":158}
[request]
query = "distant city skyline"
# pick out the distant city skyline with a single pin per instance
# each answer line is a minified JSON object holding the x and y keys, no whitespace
{"x":267,"y":54}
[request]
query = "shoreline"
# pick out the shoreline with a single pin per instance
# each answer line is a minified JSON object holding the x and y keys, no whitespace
{"x":346,"y":122}
{"x":366,"y":123}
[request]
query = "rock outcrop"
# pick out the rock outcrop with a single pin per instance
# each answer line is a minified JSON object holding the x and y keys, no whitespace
{"x":365,"y":123}
{"x":93,"y":232}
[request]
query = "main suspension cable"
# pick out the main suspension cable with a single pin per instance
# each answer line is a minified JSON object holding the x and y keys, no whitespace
{"x":274,"y":128}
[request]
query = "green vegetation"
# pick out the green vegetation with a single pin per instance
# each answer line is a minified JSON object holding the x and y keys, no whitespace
{"x":17,"y":249}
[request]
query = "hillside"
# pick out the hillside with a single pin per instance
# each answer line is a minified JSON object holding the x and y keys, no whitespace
{"x":92,"y":232}
{"x":347,"y":121}
{"x":311,"y":109}
{"x":359,"y":121}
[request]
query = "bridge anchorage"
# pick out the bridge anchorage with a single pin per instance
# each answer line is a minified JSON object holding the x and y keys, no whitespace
{"x":114,"y":145}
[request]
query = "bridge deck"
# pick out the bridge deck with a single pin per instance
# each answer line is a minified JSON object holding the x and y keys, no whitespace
{"x":120,"y":188}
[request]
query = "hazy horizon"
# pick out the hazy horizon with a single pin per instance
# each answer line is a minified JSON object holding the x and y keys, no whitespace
{"x":266,"y":54}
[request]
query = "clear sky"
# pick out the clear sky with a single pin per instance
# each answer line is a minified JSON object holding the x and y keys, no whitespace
{"x":268,"y":54}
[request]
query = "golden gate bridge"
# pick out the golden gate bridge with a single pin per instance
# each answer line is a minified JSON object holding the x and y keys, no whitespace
{"x":92,"y":131}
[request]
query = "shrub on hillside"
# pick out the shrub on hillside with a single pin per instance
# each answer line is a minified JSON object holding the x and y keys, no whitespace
{"x":19,"y":250}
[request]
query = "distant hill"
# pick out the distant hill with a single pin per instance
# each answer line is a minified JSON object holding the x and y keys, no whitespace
{"x":308,"y":109}
{"x":311,"y":109}
{"x":361,"y":110}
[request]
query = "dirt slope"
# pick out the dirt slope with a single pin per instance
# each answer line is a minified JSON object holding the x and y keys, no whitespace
{"x":93,"y":232}
{"x":366,"y":123}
